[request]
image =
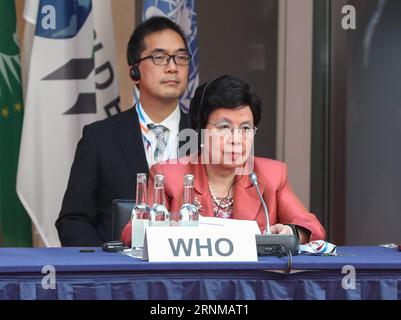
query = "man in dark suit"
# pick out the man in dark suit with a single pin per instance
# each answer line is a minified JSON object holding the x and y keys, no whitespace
{"x":111,"y":152}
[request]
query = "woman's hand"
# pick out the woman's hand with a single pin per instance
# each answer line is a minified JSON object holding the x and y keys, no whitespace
{"x":281,"y":229}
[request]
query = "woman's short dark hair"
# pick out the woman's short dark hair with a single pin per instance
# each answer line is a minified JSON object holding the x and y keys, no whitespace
{"x":222,"y":92}
{"x":136,"y":43}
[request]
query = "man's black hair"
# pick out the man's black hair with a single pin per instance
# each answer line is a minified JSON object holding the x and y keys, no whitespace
{"x":136,"y":43}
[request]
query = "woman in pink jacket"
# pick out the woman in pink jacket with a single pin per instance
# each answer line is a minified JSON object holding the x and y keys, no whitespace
{"x":225,"y":113}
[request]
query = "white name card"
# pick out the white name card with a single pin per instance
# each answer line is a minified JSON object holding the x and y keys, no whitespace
{"x":202,"y":243}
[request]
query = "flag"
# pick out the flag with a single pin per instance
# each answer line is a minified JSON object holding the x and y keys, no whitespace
{"x":71,"y":82}
{"x":15,"y":225}
{"x":183,"y":13}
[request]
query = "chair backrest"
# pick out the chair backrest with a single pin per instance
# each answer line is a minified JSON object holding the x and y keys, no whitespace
{"x":122,"y":210}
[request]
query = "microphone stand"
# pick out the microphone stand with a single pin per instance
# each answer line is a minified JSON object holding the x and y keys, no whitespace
{"x":273,"y":244}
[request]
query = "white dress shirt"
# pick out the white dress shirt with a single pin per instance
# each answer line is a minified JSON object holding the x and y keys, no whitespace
{"x":172,"y":123}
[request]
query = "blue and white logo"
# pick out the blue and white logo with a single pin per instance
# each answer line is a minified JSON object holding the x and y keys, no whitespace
{"x":62,"y":19}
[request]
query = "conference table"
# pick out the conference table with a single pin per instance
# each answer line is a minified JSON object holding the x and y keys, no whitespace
{"x":75,"y":273}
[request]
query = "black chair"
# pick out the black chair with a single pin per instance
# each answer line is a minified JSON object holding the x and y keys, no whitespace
{"x":122,"y":210}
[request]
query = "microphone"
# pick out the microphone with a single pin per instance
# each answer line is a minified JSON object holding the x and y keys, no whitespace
{"x":254,"y":180}
{"x":273,"y":244}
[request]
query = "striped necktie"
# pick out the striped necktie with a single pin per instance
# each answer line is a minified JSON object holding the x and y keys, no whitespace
{"x":161,"y":133}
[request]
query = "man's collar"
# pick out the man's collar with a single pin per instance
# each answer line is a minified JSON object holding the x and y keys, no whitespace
{"x":171,"y":122}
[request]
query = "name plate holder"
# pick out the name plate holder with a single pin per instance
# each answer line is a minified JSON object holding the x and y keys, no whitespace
{"x":211,"y":241}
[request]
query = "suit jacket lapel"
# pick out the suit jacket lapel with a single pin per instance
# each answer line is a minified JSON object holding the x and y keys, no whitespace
{"x":202,"y":192}
{"x":184,"y":124}
{"x":129,"y":140}
{"x":246,"y":200}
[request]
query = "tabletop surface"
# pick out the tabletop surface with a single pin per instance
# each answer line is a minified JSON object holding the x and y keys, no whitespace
{"x":16,"y":260}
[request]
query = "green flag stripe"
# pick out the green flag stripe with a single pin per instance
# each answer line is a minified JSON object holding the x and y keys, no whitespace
{"x":15,"y":225}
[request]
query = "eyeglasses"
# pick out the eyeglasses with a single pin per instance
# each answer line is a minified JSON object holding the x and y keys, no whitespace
{"x":163,"y":59}
{"x":225,"y":129}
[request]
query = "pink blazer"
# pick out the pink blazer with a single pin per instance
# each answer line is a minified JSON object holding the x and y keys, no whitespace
{"x":283,"y":206}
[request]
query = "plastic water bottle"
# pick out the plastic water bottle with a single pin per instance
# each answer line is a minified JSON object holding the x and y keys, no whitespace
{"x":140,"y":212}
{"x":159,"y":215}
{"x":189,"y":211}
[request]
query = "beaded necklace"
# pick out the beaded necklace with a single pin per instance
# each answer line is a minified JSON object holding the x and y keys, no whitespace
{"x":222,"y":208}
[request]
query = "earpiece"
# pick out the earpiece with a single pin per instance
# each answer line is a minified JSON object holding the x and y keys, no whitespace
{"x":204,"y":90}
{"x":200,"y":109}
{"x":201,"y":103}
{"x":135,"y":73}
